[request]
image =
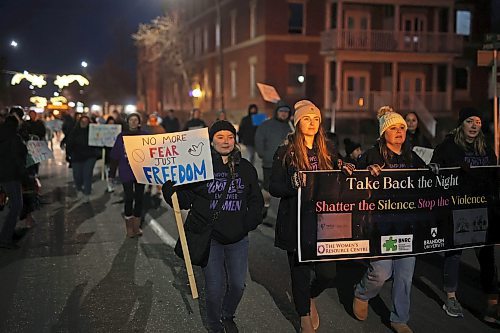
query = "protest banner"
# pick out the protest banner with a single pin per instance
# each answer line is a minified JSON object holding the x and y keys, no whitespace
{"x":38,"y":151}
{"x":182,"y":157}
{"x":268,"y":93}
{"x":400,"y":212}
{"x":102,"y":135}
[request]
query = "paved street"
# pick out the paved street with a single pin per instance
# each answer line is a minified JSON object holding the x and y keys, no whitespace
{"x":76,"y":272}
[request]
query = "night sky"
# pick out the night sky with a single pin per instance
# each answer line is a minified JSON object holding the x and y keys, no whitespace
{"x":54,"y":36}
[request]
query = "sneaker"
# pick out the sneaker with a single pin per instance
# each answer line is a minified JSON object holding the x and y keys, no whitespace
{"x":360,"y":308}
{"x":86,"y":198}
{"x":401,"y":328}
{"x":453,"y":308}
{"x":491,"y":315}
{"x":229,"y":325}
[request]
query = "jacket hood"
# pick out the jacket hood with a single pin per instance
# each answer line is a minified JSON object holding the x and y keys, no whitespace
{"x":282,"y":104}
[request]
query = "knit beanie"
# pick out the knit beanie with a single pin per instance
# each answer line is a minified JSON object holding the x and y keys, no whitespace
{"x":221,"y":125}
{"x":387,"y":117}
{"x":304,"y":108}
{"x":350,"y":146}
{"x":467,"y":112}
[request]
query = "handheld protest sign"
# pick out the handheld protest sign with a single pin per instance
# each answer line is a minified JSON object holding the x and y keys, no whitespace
{"x":182,"y":157}
{"x":38,"y":151}
{"x":268,"y":93}
{"x":103,"y":135}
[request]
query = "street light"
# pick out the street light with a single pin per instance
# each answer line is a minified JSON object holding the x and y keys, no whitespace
{"x":14,"y":44}
{"x":84,"y":64}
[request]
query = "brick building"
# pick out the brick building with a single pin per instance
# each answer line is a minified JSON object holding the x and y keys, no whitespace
{"x":348,"y":56}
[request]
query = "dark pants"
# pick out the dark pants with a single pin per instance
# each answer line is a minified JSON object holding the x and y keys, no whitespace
{"x":134,"y":193}
{"x":488,"y":270}
{"x":82,"y":175}
{"x":14,"y":193}
{"x":303,"y":289}
{"x":267,"y":177}
{"x":225,"y":276}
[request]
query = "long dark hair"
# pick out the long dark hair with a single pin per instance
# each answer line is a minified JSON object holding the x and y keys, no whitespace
{"x":297,"y":150}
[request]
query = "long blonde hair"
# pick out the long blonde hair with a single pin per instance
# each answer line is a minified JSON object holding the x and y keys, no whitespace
{"x":478,"y":145}
{"x":297,"y":150}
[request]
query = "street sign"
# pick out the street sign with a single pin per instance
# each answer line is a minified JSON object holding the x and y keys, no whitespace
{"x":485,"y":57}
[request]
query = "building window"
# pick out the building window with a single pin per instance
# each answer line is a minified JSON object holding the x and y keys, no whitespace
{"x":233,"y":80}
{"x":197,"y":42}
{"x":296,"y":12}
{"x":253,"y":18}
{"x":463,"y":20}
{"x":217,"y":35}
{"x":461,"y":78}
{"x":218,"y":86}
{"x":296,"y":79}
{"x":233,"y":27}
{"x":205,"y":39}
{"x":253,"y":86}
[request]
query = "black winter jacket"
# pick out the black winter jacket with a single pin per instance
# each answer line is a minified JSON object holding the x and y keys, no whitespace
{"x":246,"y":132}
{"x":281,"y":186}
{"x":449,"y":154}
{"x":77,"y":145}
{"x":13,"y":154}
{"x":242,"y":210}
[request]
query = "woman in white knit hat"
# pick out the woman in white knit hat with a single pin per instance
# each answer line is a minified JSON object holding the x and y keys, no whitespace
{"x":390,"y":152}
{"x":305,"y":149}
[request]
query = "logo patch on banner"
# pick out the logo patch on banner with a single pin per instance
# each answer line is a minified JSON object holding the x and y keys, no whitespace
{"x":345,"y":247}
{"x":334,"y":226}
{"x":434,"y":242}
{"x":396,"y":243}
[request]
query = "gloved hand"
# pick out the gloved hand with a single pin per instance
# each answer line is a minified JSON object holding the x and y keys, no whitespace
{"x":298,"y":180}
{"x":348,"y":168}
{"x":375,"y":169}
{"x":434,"y":167}
{"x":168,"y":189}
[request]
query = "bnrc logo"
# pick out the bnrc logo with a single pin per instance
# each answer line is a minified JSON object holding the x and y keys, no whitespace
{"x":434,"y":232}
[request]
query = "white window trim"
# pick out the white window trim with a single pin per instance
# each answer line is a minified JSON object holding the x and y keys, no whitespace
{"x":234,"y":88}
{"x":252,"y":61}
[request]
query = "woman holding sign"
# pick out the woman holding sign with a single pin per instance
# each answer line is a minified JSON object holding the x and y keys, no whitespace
{"x":305,"y":149}
{"x":134,"y":192}
{"x":465,"y":146}
{"x":390,"y":152}
{"x":235,"y":181}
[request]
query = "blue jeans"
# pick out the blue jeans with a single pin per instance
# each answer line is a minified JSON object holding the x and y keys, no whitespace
{"x":14,"y":192}
{"x":225,"y":275}
{"x":379,"y":271}
{"x":82,"y":175}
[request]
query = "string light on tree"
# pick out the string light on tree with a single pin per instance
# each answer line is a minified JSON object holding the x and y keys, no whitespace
{"x":65,"y":80}
{"x":35,"y":80}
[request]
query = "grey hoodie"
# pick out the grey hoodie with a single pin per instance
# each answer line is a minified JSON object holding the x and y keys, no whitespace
{"x":270,"y":135}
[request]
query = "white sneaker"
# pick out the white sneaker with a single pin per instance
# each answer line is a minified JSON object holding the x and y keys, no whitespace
{"x":86,"y":198}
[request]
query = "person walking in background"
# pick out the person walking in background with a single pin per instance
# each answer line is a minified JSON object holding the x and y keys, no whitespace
{"x":83,"y":157}
{"x":107,"y":157}
{"x":305,"y":149}
{"x":153,"y":126}
{"x":194,"y":122}
{"x":221,"y":115}
{"x":246,"y":133}
{"x":134,"y":192}
{"x":390,"y":152}
{"x":414,"y":135}
{"x":13,"y":154}
{"x":465,"y":146}
{"x":352,"y":151}
{"x":227,"y":265}
{"x":170,"y":122}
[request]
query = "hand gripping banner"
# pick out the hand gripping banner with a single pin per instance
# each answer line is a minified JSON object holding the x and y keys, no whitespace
{"x":398,"y":213}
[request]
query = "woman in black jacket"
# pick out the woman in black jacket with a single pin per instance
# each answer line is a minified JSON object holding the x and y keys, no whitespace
{"x":304,"y":150}
{"x":465,"y":146}
{"x":241,"y":212}
{"x":13,"y":154}
{"x":83,"y":157}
